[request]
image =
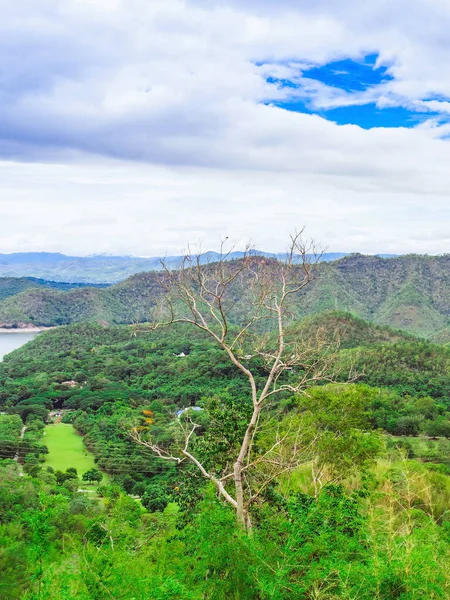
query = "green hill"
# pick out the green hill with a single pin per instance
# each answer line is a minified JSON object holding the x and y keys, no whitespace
{"x":350,"y":330}
{"x":126,"y":302}
{"x":409,"y":292}
{"x":10,"y":286}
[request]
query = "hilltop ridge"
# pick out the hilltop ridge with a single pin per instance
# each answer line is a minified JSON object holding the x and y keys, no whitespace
{"x":10,"y":286}
{"x":409,"y":292}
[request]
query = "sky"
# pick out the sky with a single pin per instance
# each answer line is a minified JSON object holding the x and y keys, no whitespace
{"x":138,"y":127}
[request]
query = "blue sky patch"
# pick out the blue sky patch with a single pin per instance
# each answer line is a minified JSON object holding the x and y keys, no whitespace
{"x":349,"y":78}
{"x":350,"y":75}
{"x":366,"y":116}
{"x":369,"y":115}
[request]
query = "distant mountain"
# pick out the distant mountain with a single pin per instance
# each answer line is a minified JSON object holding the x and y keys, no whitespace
{"x":102,"y":269}
{"x":410,"y":292}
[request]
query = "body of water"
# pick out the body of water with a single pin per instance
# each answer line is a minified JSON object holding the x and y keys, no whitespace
{"x":12,"y":341}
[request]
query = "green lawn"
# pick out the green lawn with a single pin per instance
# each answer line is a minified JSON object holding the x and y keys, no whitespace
{"x":66,"y":449}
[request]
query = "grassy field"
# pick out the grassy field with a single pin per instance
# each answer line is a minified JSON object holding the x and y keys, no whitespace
{"x":435,"y":450}
{"x":66,"y":449}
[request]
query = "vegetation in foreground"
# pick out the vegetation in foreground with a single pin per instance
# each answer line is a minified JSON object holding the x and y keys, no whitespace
{"x":384,"y":537}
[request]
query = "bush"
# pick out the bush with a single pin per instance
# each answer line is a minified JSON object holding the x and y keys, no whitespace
{"x":155,"y":498}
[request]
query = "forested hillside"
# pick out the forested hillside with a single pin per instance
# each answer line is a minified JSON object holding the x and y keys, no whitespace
{"x":408,"y":292}
{"x":183,"y":366}
{"x":377,"y":512}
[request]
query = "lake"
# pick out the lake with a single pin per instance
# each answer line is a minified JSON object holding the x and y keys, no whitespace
{"x":12,"y":341}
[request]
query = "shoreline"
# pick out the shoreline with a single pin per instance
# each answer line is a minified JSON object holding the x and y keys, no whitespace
{"x":24,"y":329}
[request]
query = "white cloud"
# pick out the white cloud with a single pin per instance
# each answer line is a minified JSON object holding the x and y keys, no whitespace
{"x":179,"y":89}
{"x":132,"y":208}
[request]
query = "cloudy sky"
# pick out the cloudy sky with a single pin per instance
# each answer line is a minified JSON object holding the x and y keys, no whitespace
{"x":137,"y":126}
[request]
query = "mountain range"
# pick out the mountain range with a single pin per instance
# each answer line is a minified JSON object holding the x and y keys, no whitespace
{"x":105,"y":269}
{"x":410,"y":292}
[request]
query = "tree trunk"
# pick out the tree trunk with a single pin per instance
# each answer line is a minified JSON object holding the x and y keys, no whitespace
{"x":242,"y":514}
{"x":241,"y":511}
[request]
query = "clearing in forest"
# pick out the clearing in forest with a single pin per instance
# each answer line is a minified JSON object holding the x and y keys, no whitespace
{"x":66,"y":449}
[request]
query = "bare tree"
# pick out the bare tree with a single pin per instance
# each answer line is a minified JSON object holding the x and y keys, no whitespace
{"x":205,"y":295}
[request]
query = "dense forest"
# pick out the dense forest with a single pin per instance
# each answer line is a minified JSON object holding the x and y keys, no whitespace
{"x":407,"y":292}
{"x":376,"y":527}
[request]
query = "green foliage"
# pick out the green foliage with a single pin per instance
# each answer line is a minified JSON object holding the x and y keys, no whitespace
{"x":32,"y":465}
{"x":61,"y":477}
{"x":155,"y":497}
{"x":93,"y":476}
{"x":416,"y":368}
{"x":10,"y":428}
{"x":118,"y":377}
{"x":339,"y":416}
{"x":217,"y":554}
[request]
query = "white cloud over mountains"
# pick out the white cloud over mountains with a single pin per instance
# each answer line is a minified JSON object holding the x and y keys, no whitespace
{"x":135,"y":126}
